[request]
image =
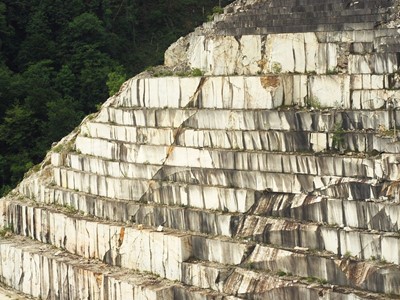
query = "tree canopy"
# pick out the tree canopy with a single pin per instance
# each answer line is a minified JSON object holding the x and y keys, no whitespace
{"x":60,"y":59}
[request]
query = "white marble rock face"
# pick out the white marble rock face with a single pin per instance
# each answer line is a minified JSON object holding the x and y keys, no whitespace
{"x":274,"y":175}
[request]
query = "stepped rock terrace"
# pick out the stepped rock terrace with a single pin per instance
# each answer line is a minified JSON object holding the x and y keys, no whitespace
{"x":273,"y":175}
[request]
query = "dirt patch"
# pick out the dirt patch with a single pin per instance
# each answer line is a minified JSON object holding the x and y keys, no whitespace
{"x":268,"y":82}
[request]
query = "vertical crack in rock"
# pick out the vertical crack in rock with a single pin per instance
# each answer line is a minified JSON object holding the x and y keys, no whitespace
{"x":194,"y":102}
{"x":165,"y":257}
{"x":150,"y":253}
{"x":139,"y":253}
{"x":247,"y":253}
{"x":294,"y":58}
{"x":237,"y":38}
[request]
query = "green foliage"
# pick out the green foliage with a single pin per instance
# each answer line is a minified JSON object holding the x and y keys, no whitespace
{"x":59,"y":59}
{"x":6,"y":89}
{"x":18,"y":128}
{"x":322,"y":281}
{"x":5,"y":232}
{"x":63,"y":148}
{"x":276,"y":68}
{"x":161,"y":71}
{"x":217,"y":10}
{"x":386,"y":132}
{"x":332,"y":71}
{"x":4,"y":190}
{"x":347,"y":254}
{"x":338,"y":136}
{"x":281,"y":273}
{"x":62,"y":116}
{"x":196,"y":72}
{"x":38,"y":44}
{"x":70,"y":209}
{"x":251,"y":266}
{"x":115,"y":79}
{"x":313,"y":102}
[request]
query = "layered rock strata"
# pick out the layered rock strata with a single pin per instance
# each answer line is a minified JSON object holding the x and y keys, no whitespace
{"x":274,"y":175}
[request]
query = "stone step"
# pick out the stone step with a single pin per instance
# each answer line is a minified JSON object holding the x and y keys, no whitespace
{"x":387,"y":43}
{"x":361,"y":36}
{"x":213,"y":249}
{"x":301,"y":263}
{"x":272,"y":91}
{"x":325,"y":9}
{"x":212,"y":221}
{"x":104,"y":154}
{"x":126,"y":246}
{"x":378,"y":216}
{"x":305,"y":64}
{"x":320,"y":14}
{"x":71,"y":231}
{"x":302,"y":18}
{"x":342,"y":4}
{"x":110,"y":241}
{"x":310,"y":265}
{"x":204,"y":205}
{"x":246,"y":29}
{"x":340,"y":241}
{"x":383,"y":168}
{"x":197,"y":92}
{"x":136,"y":188}
{"x":136,"y":122}
{"x":221,"y":199}
{"x":258,"y":285}
{"x":331,"y":14}
{"x":382,"y":140}
{"x":8,"y":293}
{"x":50,"y":273}
{"x":262,"y":256}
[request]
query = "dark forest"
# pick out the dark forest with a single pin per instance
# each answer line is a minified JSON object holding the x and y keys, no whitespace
{"x":59,"y":60}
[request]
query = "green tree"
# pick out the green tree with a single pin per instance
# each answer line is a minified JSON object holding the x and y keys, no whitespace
{"x":6,"y":91}
{"x":115,"y":79}
{"x":63,"y":116}
{"x":38,"y":44}
{"x":17,"y":132}
{"x":38,"y":81}
{"x":59,"y":59}
{"x":18,"y":128}
{"x":65,"y":82}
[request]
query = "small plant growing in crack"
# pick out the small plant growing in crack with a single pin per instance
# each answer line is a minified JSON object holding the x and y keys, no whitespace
{"x":276,"y":68}
{"x":338,"y":136}
{"x":6,"y":232}
{"x":312,"y":102}
{"x":333,"y":71}
{"x":347,"y":254}
{"x":217,"y":10}
{"x":251,"y":266}
{"x":196,"y":72}
{"x":281,"y":273}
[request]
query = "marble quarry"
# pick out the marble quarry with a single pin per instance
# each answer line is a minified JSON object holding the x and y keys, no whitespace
{"x":273,"y":174}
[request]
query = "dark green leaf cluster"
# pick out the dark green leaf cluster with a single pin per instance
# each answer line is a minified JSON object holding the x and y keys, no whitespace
{"x":59,"y":59}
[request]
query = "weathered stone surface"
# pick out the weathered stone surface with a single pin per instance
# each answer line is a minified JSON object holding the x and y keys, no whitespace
{"x":49,"y":273}
{"x":272,"y":176}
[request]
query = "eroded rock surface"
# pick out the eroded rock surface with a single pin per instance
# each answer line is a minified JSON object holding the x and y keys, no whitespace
{"x":273,"y":175}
